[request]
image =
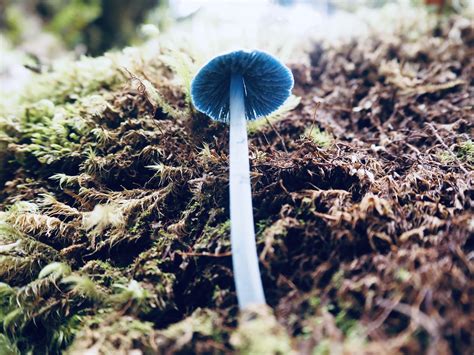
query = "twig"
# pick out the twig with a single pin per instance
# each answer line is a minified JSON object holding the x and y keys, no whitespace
{"x":420,"y":318}
{"x":313,"y":124}
{"x":278,"y":134}
{"x":220,"y":255}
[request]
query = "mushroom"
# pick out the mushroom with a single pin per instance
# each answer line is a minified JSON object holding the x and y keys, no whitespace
{"x":233,"y":88}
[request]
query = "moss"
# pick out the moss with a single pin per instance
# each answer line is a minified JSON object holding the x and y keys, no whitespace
{"x":104,"y":274}
{"x":109,"y":333}
{"x":184,"y":67}
{"x":35,"y":322}
{"x":466,"y":151}
{"x":214,"y":237}
{"x":403,"y":275}
{"x":52,"y":132}
{"x":7,"y":347}
{"x":199,"y":322}
{"x":132,"y":297}
{"x":338,"y":278}
{"x":345,"y":323}
{"x":314,"y":302}
{"x":320,"y":138}
{"x":83,"y":287}
{"x":21,"y":257}
{"x":69,"y":81}
{"x":148,"y":269}
{"x":202,"y":325}
{"x":56,"y":110}
{"x":260,"y":333}
{"x":334,"y":334}
{"x":323,"y":348}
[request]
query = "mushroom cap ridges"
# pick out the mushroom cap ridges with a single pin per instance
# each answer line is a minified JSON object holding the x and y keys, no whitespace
{"x":267,"y":84}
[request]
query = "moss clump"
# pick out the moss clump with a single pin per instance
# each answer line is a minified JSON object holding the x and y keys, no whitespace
{"x":201,"y":326}
{"x":112,"y":333}
{"x":214,"y":238}
{"x":466,"y":151}
{"x":7,"y":347}
{"x":69,"y":81}
{"x":260,"y":333}
{"x":320,"y":138}
{"x":51,"y":133}
{"x":21,"y":257}
{"x":463,"y":153}
{"x":33,"y":320}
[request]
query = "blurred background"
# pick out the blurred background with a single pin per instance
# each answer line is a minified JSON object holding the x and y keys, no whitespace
{"x":35,"y":32}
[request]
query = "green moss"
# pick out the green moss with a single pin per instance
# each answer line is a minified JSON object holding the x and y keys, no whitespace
{"x":21,"y":257}
{"x":52,"y":132}
{"x":61,"y":336}
{"x":331,"y":328}
{"x":33,"y":320}
{"x":83,"y":287}
{"x":133,"y":297}
{"x":8,"y":347}
{"x":57,"y":109}
{"x":260,"y":333}
{"x":323,"y":348}
{"x":314,"y":302}
{"x":184,"y":67}
{"x":337,"y":279}
{"x":320,"y":138}
{"x":199,"y":322}
{"x":103,"y":273}
{"x":466,"y":151}
{"x":345,"y":323}
{"x":403,"y":275}
{"x":112,"y":333}
{"x":69,"y":81}
{"x":202,"y":326}
{"x":214,"y":237}
{"x":147,"y":268}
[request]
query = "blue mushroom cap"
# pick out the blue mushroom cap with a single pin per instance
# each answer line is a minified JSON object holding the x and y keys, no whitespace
{"x":267,"y":84}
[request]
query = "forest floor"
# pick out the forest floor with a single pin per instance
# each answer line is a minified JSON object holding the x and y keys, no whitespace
{"x":114,"y":234}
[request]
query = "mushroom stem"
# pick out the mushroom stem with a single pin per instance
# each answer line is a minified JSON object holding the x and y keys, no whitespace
{"x":244,"y":251}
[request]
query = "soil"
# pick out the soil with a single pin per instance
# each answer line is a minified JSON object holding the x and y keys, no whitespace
{"x":365,"y":237}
